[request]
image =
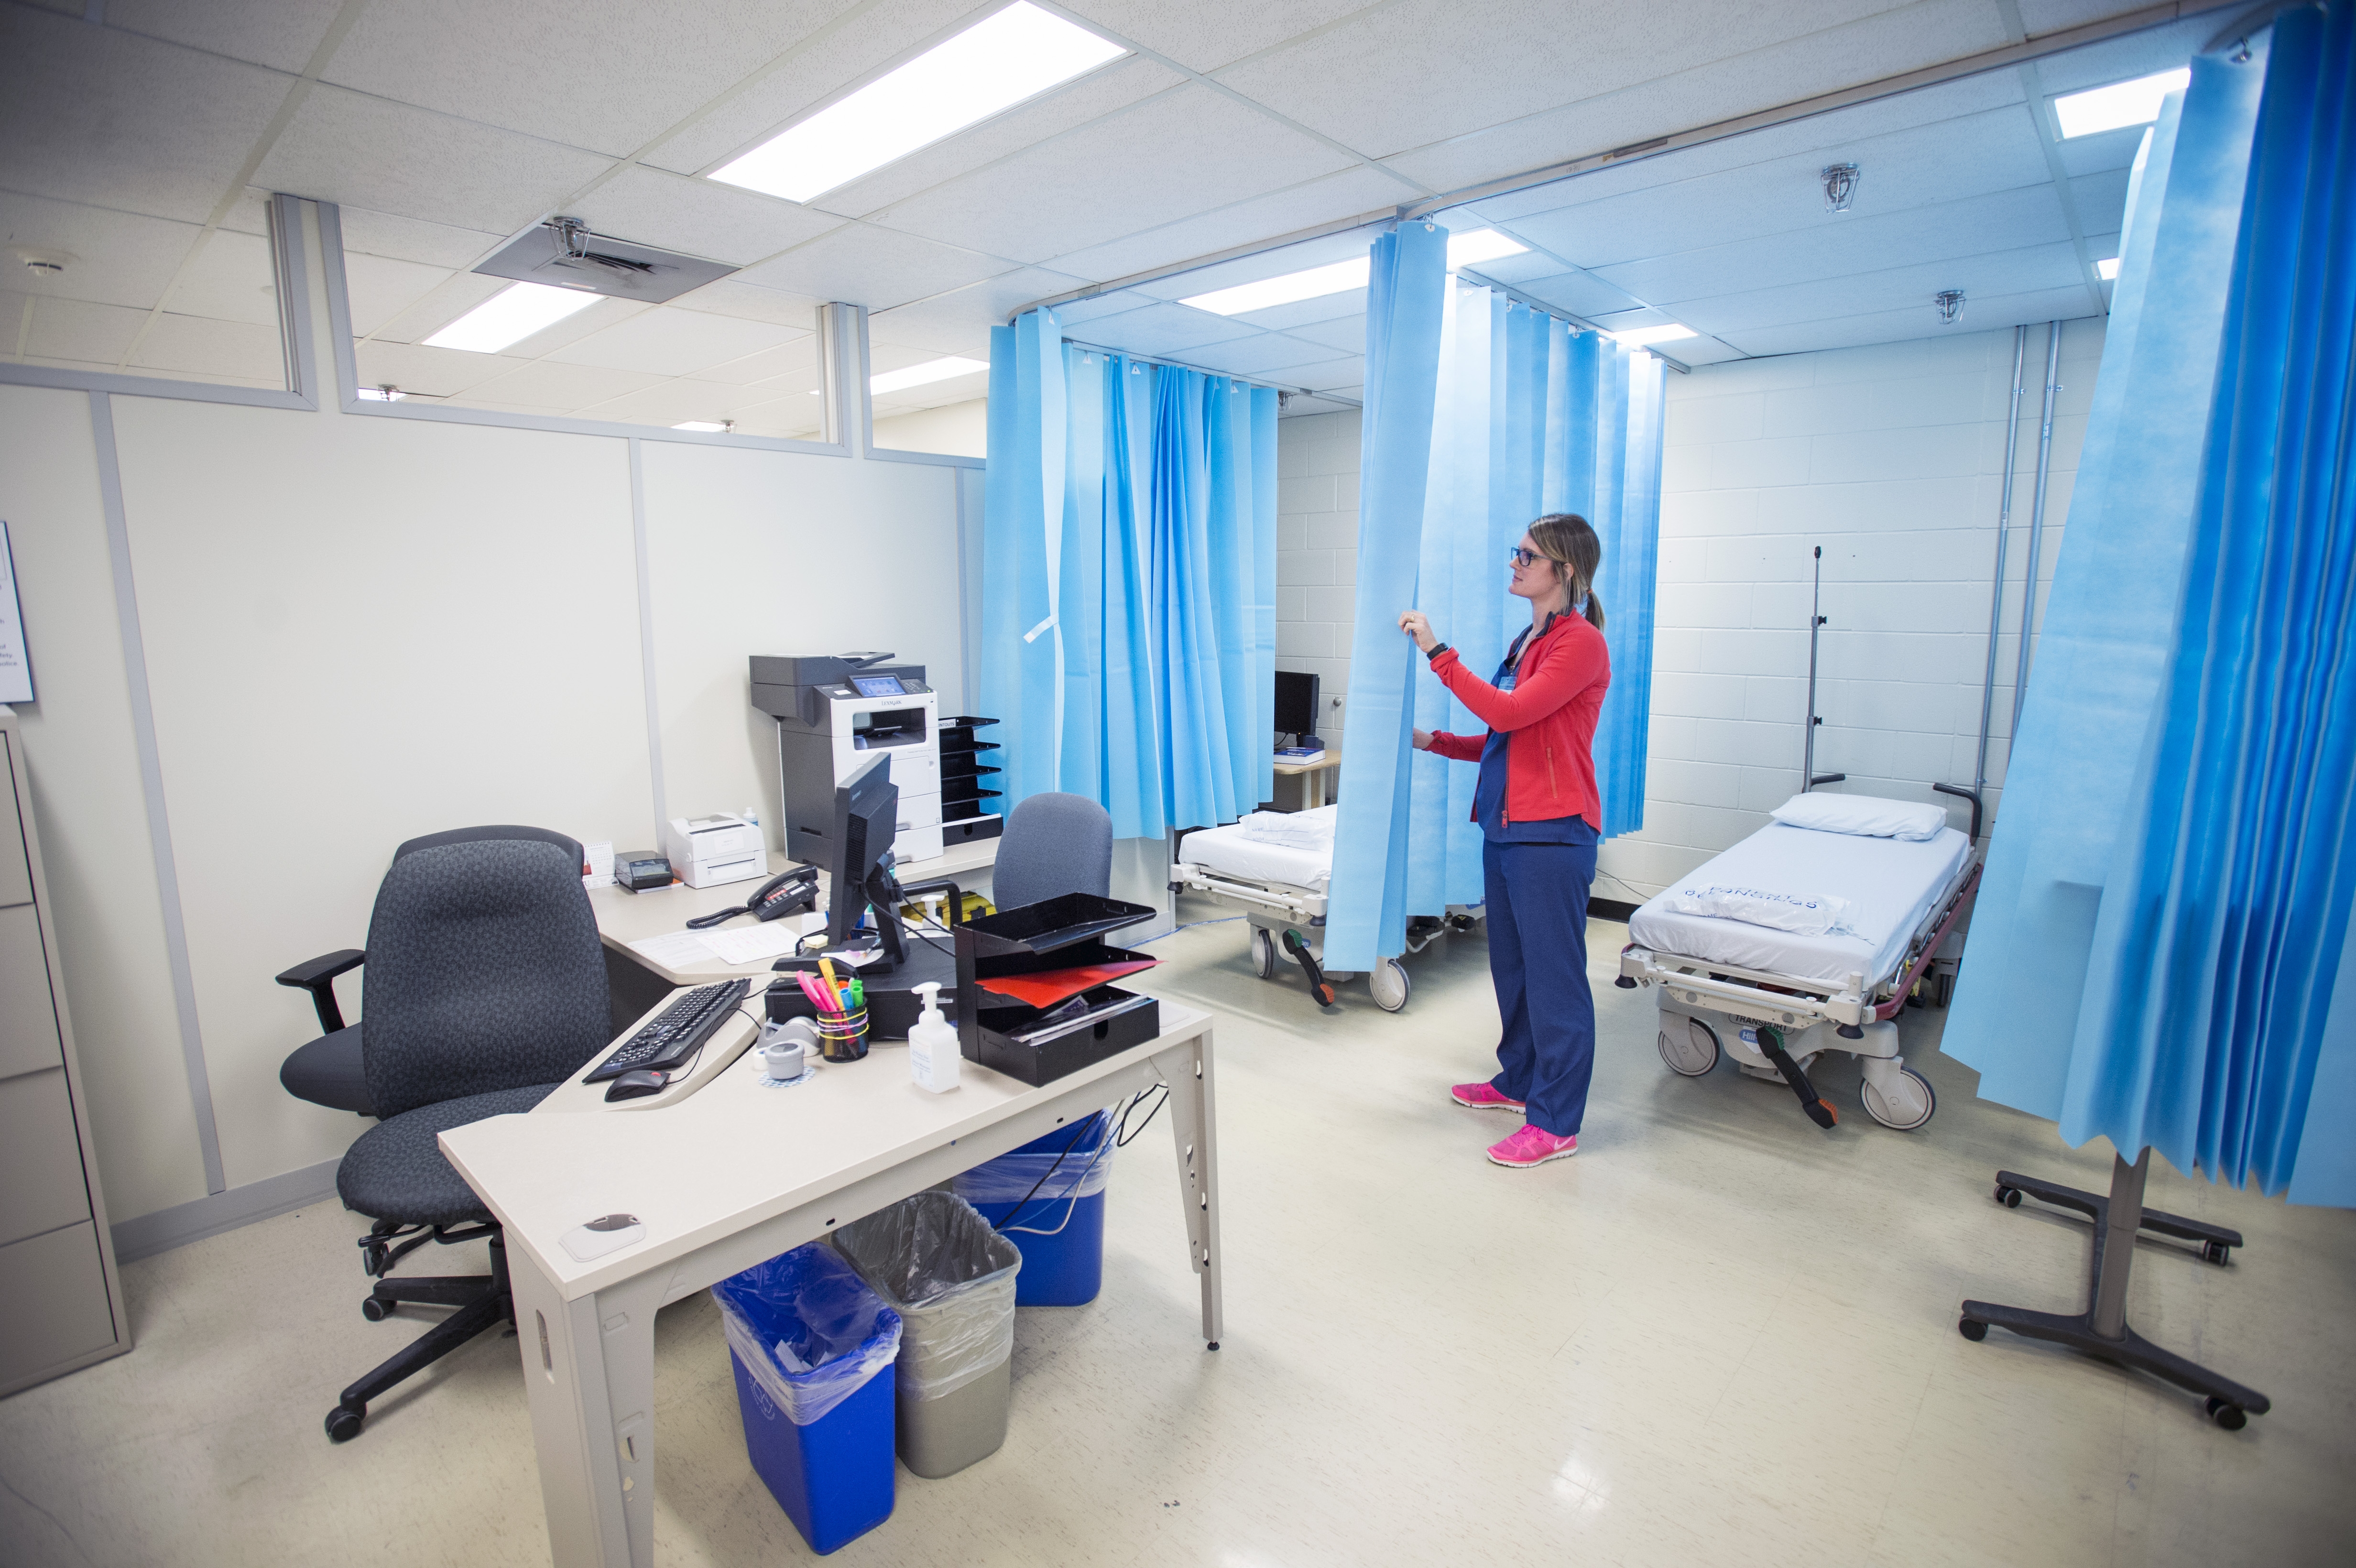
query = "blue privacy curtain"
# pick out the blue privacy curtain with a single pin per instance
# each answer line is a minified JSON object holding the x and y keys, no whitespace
{"x":1128,"y":648}
{"x":2162,"y":961}
{"x":1527,"y":416}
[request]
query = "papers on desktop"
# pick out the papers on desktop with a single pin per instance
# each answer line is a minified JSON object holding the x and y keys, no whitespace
{"x":750,"y":944}
{"x":675,"y":949}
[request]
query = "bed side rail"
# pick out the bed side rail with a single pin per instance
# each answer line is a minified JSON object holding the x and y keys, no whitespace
{"x":1929,"y":950}
{"x":1299,"y":902}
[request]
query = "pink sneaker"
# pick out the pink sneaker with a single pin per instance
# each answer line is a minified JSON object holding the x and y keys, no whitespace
{"x":1481,"y":1097}
{"x":1532,"y":1146}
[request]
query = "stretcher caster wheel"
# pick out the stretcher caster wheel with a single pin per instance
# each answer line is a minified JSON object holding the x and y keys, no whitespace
{"x":2217,"y":1252}
{"x":374,"y":1310}
{"x":1263,"y":953}
{"x":344,"y":1423}
{"x":1387,"y":981}
{"x":1972,"y":1329}
{"x":1908,"y":1103}
{"x":1691,"y":1051}
{"x":2231,"y":1417}
{"x":2008,"y":1196}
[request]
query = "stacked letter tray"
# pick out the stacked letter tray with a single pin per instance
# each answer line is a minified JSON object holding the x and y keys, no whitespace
{"x":964,"y":800}
{"x":1040,"y":1046}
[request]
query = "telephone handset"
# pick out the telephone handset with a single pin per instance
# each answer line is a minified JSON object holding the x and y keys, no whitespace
{"x":780,"y":895}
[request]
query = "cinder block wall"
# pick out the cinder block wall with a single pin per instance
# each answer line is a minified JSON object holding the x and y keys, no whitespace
{"x":1890,"y":458}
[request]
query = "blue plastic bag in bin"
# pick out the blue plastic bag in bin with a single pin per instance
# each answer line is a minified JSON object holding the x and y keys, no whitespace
{"x":807,"y":1328}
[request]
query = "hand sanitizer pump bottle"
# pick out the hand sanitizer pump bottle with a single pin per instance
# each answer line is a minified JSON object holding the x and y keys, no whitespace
{"x":932,"y":1044}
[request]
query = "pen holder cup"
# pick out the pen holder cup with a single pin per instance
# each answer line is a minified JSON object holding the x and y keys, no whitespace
{"x":842,"y":1037}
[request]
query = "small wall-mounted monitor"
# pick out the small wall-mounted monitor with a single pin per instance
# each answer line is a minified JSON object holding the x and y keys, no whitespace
{"x":1296,"y":703}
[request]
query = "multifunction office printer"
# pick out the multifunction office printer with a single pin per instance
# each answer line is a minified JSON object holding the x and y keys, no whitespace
{"x":832,"y":711}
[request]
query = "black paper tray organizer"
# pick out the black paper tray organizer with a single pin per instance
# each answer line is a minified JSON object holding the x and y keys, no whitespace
{"x":1039,"y":1046}
{"x":962,"y":774}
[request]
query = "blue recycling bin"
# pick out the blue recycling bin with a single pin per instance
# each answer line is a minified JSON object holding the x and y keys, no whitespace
{"x":1047,"y":1197}
{"x":808,"y":1338}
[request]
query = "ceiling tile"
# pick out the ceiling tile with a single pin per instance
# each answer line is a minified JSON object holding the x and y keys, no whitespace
{"x":436,"y":372}
{"x":193,"y":345}
{"x":1095,"y":307}
{"x":860,"y":263}
{"x":650,"y":206}
{"x":1348,"y":306}
{"x":1104,"y":90}
{"x":1187,"y":151}
{"x":669,"y":403}
{"x":2163,"y":48}
{"x":603,"y":74}
{"x":958,"y":322}
{"x":787,"y":367}
{"x":413,"y":239}
{"x":1902,"y":171}
{"x":1348,"y":332}
{"x":444,"y":303}
{"x":2029,"y":216}
{"x":122,"y":257}
{"x":1204,"y":35}
{"x":74,"y":329}
{"x":2101,"y":200}
{"x":667,"y":342}
{"x":828,"y":61}
{"x":1731,"y":83}
{"x":733,"y":296}
{"x":231,"y":278}
{"x":1693,"y":351}
{"x":347,"y":148}
{"x":1328,"y":374}
{"x":281,"y":33}
{"x":1325,"y":251}
{"x":2001,"y":273}
{"x":1353,"y":193}
{"x":379,"y":288}
{"x":1581,"y":295}
{"x":97,"y":115}
{"x":1263,"y":353}
{"x":1161,"y":329}
{"x":1898,"y":326}
{"x":552,"y":384}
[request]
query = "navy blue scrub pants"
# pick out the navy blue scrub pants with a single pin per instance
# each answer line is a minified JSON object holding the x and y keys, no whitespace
{"x":1537,"y":956}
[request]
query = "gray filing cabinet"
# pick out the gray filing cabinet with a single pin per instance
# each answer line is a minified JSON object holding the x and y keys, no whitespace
{"x":60,"y":1300}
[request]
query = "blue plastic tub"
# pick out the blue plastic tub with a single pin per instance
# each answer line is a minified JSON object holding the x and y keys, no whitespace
{"x":818,"y":1426}
{"x":1060,"y":1230}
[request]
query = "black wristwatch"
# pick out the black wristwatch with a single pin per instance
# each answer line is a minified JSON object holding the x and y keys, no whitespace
{"x":1436,"y":649}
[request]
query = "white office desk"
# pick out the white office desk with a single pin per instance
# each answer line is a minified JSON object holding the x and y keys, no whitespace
{"x":732,"y":1175}
{"x":623,"y":917}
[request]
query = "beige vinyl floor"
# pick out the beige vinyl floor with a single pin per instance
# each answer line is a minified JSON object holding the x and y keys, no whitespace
{"x":1719,"y":1335}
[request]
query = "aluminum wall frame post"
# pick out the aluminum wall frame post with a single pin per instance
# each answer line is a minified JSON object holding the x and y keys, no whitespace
{"x":2002,"y":533}
{"x":842,"y":368}
{"x":2037,"y":517}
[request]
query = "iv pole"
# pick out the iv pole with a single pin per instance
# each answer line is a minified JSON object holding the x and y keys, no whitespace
{"x":1809,"y":777}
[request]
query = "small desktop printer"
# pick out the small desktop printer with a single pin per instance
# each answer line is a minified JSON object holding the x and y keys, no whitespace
{"x":641,"y":870}
{"x":707,"y":851}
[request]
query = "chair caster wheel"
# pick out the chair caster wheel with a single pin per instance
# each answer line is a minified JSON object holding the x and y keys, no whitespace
{"x":374,"y":1310}
{"x":2217,"y":1252}
{"x":1972,"y":1329}
{"x":344,"y":1423}
{"x":2231,"y":1417}
{"x":2008,"y":1196}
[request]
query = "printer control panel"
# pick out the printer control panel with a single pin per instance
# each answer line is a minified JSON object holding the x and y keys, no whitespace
{"x":880,"y":686}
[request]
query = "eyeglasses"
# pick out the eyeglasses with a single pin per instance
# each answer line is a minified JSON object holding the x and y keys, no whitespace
{"x":1518,"y":556}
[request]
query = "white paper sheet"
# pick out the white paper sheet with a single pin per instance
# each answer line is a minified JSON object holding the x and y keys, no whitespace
{"x":676,"y":949}
{"x":753,"y":944}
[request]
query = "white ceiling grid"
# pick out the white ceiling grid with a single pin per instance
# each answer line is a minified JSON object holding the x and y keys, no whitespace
{"x":445,"y":128}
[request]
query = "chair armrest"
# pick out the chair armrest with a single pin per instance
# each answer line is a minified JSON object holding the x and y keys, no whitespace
{"x":317,"y":976}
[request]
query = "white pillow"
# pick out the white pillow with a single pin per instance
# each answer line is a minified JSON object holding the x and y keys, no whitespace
{"x":1808,"y":915}
{"x":1866,"y":816}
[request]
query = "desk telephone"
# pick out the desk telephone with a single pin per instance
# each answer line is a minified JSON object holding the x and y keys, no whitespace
{"x":780,"y":895}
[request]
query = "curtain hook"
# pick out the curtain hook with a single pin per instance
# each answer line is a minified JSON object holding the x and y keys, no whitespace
{"x":2241,"y":51}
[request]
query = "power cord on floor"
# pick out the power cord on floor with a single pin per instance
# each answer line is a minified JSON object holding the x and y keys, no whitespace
{"x":1190,"y":925}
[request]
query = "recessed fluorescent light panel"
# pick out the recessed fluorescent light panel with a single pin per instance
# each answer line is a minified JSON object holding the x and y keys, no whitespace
{"x":1645,"y":336}
{"x":1465,"y":250}
{"x":511,"y":316}
{"x":995,"y":64}
{"x":2108,"y":270}
{"x":2122,"y":103}
{"x":931,"y":370}
{"x":710,"y":427}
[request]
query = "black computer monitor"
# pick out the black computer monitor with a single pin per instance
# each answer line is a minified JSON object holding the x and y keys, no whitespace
{"x":866,"y":818}
{"x":1296,"y":704}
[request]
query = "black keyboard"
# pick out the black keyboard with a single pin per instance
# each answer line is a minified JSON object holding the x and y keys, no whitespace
{"x":675,"y":1033}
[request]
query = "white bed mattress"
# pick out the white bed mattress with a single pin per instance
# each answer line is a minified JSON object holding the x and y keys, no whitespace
{"x":1231,"y":852}
{"x":1890,"y":885}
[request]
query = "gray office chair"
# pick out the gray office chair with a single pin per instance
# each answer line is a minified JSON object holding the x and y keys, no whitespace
{"x":1052,"y":845}
{"x":486,"y":988}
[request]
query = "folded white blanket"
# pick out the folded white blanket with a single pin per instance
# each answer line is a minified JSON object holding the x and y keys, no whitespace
{"x":1294,"y":829}
{"x":1809,"y":915}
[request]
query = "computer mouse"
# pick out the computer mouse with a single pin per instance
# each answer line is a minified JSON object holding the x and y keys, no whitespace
{"x":637,"y":1083}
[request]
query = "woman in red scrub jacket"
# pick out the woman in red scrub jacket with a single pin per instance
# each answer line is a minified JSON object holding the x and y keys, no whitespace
{"x":1541,"y":820}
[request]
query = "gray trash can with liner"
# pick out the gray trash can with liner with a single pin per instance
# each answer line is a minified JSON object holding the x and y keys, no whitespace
{"x":951,"y":1279}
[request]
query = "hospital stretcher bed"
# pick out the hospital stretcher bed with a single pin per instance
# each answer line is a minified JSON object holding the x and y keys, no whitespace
{"x":1774,"y":1000}
{"x":1281,"y":890}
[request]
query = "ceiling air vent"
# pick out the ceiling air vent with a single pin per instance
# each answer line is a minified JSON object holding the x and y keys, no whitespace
{"x":563,"y":251}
